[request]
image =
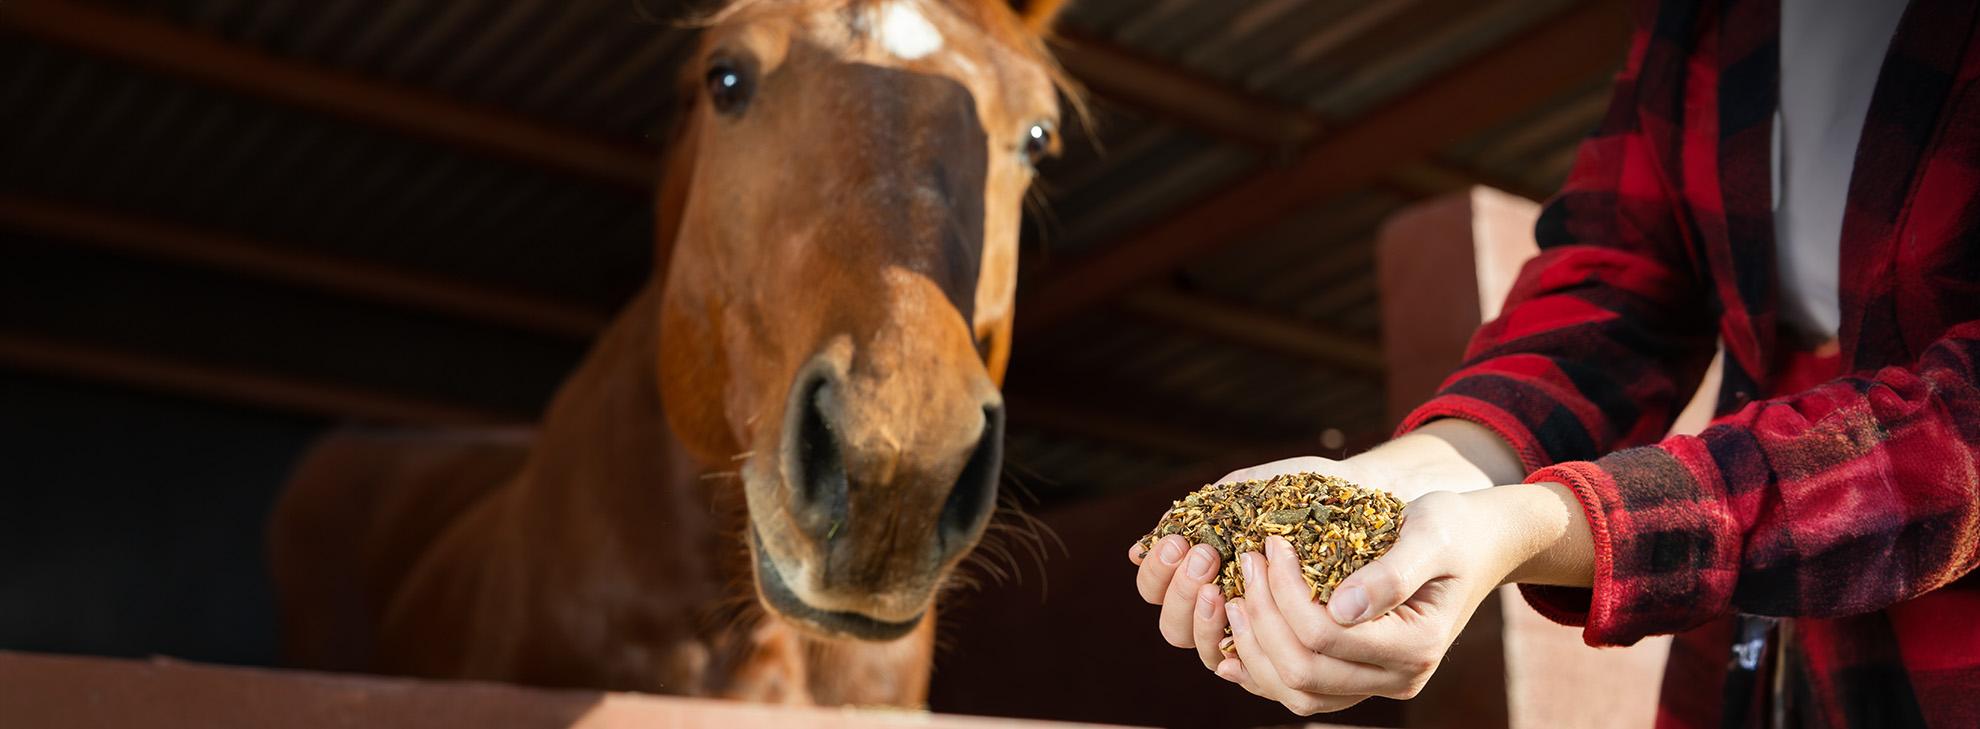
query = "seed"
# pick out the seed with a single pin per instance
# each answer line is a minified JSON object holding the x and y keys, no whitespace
{"x":1335,"y":527}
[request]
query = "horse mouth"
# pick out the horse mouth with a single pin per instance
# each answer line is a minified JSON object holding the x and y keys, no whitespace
{"x":770,"y":586}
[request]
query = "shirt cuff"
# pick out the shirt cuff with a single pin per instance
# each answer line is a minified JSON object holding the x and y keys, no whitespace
{"x":1661,"y":549}
{"x":1576,"y":606}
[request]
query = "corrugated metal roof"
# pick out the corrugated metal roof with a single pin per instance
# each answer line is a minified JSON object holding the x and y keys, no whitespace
{"x":113,"y":135}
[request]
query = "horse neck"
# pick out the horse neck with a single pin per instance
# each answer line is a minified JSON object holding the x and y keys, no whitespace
{"x":605,"y":455}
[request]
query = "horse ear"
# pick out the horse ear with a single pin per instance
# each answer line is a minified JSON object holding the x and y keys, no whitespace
{"x":1038,"y":14}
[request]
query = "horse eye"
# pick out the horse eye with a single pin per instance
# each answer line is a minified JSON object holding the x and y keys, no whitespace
{"x":729,"y":87}
{"x":1038,"y":142}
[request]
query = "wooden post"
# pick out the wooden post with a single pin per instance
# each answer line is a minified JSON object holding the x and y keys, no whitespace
{"x":1445,"y":266}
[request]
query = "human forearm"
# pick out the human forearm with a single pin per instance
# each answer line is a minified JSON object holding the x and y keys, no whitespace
{"x":1443,"y":455}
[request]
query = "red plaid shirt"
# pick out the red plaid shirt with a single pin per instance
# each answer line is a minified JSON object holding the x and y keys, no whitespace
{"x":1823,"y":527}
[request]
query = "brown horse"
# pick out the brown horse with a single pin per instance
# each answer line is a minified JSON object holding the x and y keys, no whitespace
{"x":827,"y":329}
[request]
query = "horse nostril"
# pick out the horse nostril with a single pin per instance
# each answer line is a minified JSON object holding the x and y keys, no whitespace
{"x":818,"y":478}
{"x":975,"y":491}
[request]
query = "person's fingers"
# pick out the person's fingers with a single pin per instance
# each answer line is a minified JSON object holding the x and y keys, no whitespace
{"x":1311,"y":704}
{"x":1384,"y":584}
{"x":1298,"y":667}
{"x":1136,"y":553}
{"x":1257,"y":661}
{"x":1152,"y":579}
{"x":1376,"y":643}
{"x":1233,"y":670}
{"x":1408,"y":643}
{"x":1179,"y":603}
{"x":1208,"y":626}
{"x":1294,"y":596}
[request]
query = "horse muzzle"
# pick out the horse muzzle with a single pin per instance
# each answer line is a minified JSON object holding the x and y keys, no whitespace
{"x":879,"y":490}
{"x":777,"y":594}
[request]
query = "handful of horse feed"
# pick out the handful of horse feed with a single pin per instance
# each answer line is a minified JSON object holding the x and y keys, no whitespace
{"x":1334,"y":526}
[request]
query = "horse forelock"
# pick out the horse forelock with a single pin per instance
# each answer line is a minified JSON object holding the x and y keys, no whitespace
{"x":996,"y":18}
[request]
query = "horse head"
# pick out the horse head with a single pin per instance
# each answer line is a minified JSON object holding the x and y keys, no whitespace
{"x":840,"y":228}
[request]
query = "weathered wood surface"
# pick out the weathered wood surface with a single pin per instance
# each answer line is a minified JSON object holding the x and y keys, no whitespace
{"x":71,"y":692}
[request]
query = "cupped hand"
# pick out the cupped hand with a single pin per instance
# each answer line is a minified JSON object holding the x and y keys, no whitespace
{"x":1389,"y":624}
{"x":1181,"y":577}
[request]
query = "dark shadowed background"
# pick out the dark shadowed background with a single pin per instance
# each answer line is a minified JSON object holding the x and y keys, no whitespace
{"x":228,"y":225}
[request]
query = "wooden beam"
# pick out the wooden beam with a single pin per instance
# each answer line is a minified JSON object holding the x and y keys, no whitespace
{"x":239,"y":386}
{"x":1183,"y":97}
{"x":1430,"y":179}
{"x":226,"y":384}
{"x":1266,"y":330}
{"x":160,"y":240}
{"x":1088,"y":420}
{"x":1559,"y":54}
{"x":1186,"y":98}
{"x":167,"y":48}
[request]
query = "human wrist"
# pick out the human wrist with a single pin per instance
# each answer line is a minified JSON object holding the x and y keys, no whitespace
{"x":1548,"y":539}
{"x":1442,"y":455}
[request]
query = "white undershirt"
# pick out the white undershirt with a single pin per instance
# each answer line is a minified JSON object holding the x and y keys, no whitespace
{"x":1831,"y":51}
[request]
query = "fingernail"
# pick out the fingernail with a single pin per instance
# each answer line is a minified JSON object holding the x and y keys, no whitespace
{"x":1278,"y":548}
{"x":1227,"y":646}
{"x":1200,"y":562}
{"x":1236,"y":612}
{"x":1172,"y":551}
{"x":1205,"y":607}
{"x":1249,"y":563}
{"x":1348,"y":605}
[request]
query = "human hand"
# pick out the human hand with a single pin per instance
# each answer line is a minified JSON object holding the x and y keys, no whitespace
{"x":1390,"y":623}
{"x":1444,"y":455}
{"x":1182,"y":578}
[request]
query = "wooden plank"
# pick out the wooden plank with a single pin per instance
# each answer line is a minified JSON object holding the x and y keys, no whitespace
{"x":1180,"y":96}
{"x":1266,"y":330}
{"x":1561,"y":53}
{"x":233,"y":385}
{"x":166,"y":48}
{"x":1038,"y":410}
{"x":241,"y":386}
{"x":157,"y":239}
{"x":58,"y":692}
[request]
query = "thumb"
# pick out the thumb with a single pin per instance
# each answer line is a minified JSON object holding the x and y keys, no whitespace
{"x":1387,"y":582}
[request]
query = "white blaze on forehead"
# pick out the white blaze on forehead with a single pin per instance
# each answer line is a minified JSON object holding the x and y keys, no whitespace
{"x":906,"y":33}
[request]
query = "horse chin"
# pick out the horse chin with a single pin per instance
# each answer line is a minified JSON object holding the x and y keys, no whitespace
{"x":775,"y":594}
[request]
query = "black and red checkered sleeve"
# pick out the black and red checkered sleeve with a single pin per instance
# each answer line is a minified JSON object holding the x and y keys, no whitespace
{"x":1847,"y":498}
{"x":1606,"y":332}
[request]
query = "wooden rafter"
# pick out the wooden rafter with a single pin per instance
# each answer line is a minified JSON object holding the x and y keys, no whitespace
{"x":1561,"y":53}
{"x":1155,"y":86}
{"x":1425,"y":180}
{"x":164,"y":47}
{"x":285,"y":393}
{"x":156,"y":239}
{"x":1123,"y":75}
{"x":1063,"y":415}
{"x":1266,"y":330}
{"x":1059,"y":409}
{"x":227,"y":384}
